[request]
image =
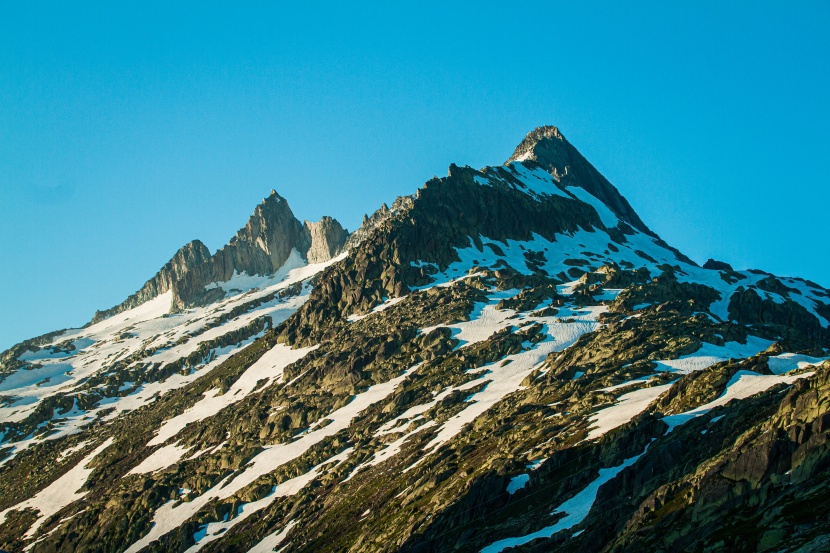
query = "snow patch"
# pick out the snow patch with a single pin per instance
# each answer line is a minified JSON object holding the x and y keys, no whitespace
{"x":60,"y":493}
{"x":710,"y":354}
{"x":575,"y":510}
{"x":171,"y":516}
{"x":626,"y":408}
{"x":517,"y":483}
{"x":271,"y":541}
{"x":742,"y":385}
{"x":269,"y":368}
{"x":160,"y":459}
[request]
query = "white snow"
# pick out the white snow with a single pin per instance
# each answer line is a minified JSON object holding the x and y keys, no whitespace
{"x":641,"y":380}
{"x":590,"y":245}
{"x":786,"y":362}
{"x":626,"y":408}
{"x":605,"y":215}
{"x":271,"y":541}
{"x":538,"y":181}
{"x":71,"y":450}
{"x":243,"y":282}
{"x":215,"y":530}
{"x":269,"y":368}
{"x":710,"y":354}
{"x":504,"y":378}
{"x":517,"y":483}
{"x":58,"y":494}
{"x":147,"y":334}
{"x":485,"y":320}
{"x":808,"y":297}
{"x":28,"y":378}
{"x":632,"y":404}
{"x":160,"y":459}
{"x":535,"y":182}
{"x":395,"y":447}
{"x":575,"y":510}
{"x":170,"y":516}
{"x":377,"y":309}
{"x":742,"y":385}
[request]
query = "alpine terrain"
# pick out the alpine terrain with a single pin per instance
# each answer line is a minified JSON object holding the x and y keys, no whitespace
{"x":507,"y":360}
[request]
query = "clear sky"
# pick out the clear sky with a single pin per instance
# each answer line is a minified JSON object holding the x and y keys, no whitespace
{"x":129,"y":128}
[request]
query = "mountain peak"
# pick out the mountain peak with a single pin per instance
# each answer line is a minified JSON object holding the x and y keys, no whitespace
{"x":478,"y":337}
{"x":261,"y":247}
{"x":547,"y":146}
{"x":527,"y":147}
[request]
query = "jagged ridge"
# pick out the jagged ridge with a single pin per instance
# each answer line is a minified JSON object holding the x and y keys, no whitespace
{"x":261,"y":247}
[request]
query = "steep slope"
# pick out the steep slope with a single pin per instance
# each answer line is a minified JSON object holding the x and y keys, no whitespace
{"x":502,"y":360}
{"x":549,"y":148}
{"x":260,"y":248}
{"x":194,"y":313}
{"x":189,"y":256}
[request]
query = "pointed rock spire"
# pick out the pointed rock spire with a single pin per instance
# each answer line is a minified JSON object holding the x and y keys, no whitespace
{"x":548,"y":147}
{"x":261,"y":247}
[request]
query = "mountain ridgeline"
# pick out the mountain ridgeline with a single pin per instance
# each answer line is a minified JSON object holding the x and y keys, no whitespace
{"x":508,"y":359}
{"x":261,"y":247}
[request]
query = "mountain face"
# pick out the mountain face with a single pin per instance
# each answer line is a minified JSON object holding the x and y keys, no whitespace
{"x":547,"y":147}
{"x":507,"y":360}
{"x":261,"y":247}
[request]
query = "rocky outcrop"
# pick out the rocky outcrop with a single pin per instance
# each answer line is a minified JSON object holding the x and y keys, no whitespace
{"x":787,"y":319}
{"x":548,"y":147}
{"x":756,"y":481}
{"x":444,"y":215}
{"x":716,"y":265}
{"x":376,"y":219}
{"x":326,"y":239}
{"x":189,"y":256}
{"x":261,"y":247}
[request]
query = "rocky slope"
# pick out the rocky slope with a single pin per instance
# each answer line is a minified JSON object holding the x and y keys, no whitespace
{"x":508,"y":359}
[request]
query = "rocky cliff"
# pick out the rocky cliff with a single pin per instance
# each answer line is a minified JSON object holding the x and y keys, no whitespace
{"x":191,"y":255}
{"x":325,"y":239}
{"x":261,"y":247}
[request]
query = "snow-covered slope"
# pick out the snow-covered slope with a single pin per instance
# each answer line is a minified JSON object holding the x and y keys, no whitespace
{"x":508,"y":358}
{"x":119,"y":364}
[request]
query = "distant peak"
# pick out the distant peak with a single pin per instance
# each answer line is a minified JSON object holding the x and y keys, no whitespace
{"x":545,"y":131}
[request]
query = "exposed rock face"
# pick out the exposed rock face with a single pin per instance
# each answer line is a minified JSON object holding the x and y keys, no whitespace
{"x":547,"y":146}
{"x":261,"y":247}
{"x":326,"y":239}
{"x":189,"y":256}
{"x":749,"y":308}
{"x":716,"y":265}
{"x":376,"y":219}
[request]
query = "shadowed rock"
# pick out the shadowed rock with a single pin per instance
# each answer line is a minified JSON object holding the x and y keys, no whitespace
{"x":548,"y":147}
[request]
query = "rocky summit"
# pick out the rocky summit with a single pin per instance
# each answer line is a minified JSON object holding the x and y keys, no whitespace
{"x":507,"y":360}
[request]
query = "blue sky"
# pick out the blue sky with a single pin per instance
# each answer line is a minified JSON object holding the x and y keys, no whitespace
{"x":127,"y":130}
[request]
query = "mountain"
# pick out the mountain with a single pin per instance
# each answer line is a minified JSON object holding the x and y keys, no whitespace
{"x":507,"y":360}
{"x":264,"y":245}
